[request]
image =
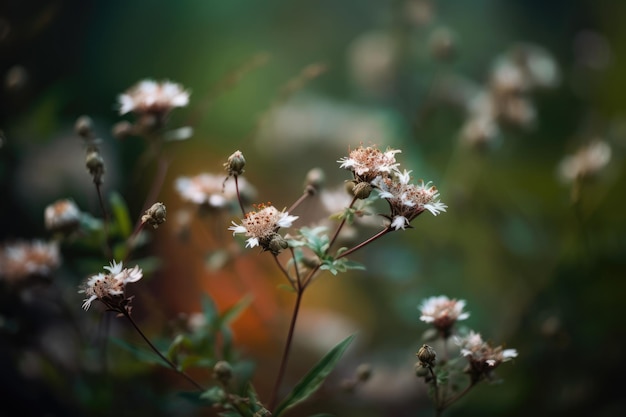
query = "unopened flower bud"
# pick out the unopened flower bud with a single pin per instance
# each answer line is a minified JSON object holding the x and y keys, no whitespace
{"x":235,"y":163}
{"x":277,"y":243}
{"x":222,"y":371}
{"x":155,"y":215}
{"x":362,"y":190}
{"x":315,"y":179}
{"x":427,"y":355}
{"x":310,"y":262}
{"x":95,"y":166}
{"x":84,"y":126}
{"x":420,"y":371}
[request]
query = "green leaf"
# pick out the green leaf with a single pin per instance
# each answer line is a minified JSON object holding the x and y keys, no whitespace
{"x":121,"y":215}
{"x":314,"y":378}
{"x":233,"y":312}
{"x":208,"y":308}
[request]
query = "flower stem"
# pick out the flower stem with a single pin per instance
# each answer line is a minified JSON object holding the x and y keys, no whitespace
{"x":105,"y":215}
{"x":170,"y":363}
{"x":436,"y":389}
{"x":243,"y":211}
{"x":457,"y":397}
{"x":285,"y":357}
{"x":343,"y":222}
{"x":307,"y":193}
{"x":365,"y":242}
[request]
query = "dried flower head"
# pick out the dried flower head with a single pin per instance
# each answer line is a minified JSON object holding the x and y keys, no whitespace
{"x":95,"y":165}
{"x":155,"y":215}
{"x":152,"y":97}
{"x":261,"y":225}
{"x":110,"y":287}
{"x":22,"y":260}
{"x":587,"y":162}
{"x":443,"y":312}
{"x":235,"y":164}
{"x":210,"y":190}
{"x":482,"y":357}
{"x":62,"y":216}
{"x":407,"y":201}
{"x":369,"y":163}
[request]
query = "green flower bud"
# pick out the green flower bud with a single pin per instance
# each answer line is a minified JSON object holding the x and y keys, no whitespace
{"x":362,"y":190}
{"x":235,"y":164}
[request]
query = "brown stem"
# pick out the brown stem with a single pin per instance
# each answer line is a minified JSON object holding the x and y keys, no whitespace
{"x":170,"y":363}
{"x":285,"y":357}
{"x":243,"y":211}
{"x":307,"y":193}
{"x":436,"y":387}
{"x":365,"y":242}
{"x":343,"y":222}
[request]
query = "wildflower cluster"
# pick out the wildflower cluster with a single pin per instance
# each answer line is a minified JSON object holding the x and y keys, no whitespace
{"x":505,"y":99}
{"x":445,"y":374}
{"x":374,"y":169}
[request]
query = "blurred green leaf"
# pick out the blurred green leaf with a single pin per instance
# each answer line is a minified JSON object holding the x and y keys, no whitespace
{"x":121,"y":215}
{"x":233,"y":312}
{"x":315,"y":377}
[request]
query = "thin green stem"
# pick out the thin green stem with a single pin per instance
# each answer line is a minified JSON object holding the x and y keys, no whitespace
{"x":170,"y":363}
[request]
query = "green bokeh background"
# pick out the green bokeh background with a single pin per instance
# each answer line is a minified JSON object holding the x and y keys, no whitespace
{"x":538,"y":274}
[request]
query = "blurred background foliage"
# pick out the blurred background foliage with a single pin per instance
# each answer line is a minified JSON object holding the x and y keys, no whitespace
{"x":294,"y":85}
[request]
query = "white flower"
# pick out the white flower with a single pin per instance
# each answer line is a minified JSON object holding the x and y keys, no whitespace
{"x":21,"y":260}
{"x":211,"y":190}
{"x":109,"y":288}
{"x":586,"y":162}
{"x":149,"y":96}
{"x":261,"y":225}
{"x":443,"y":312}
{"x":62,"y":215}
{"x":369,"y":163}
{"x":482,"y":357}
{"x":406,"y":200}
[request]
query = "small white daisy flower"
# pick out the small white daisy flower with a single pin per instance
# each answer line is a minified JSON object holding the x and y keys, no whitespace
{"x":149,"y":96}
{"x":261,"y":225}
{"x":110,"y":287}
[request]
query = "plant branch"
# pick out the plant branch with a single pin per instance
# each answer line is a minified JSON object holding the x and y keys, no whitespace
{"x":170,"y":363}
{"x":285,"y":357}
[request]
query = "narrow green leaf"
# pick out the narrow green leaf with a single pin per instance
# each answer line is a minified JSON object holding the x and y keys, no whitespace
{"x":120,"y":214}
{"x":208,"y":308}
{"x":314,"y":378}
{"x":233,"y":312}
